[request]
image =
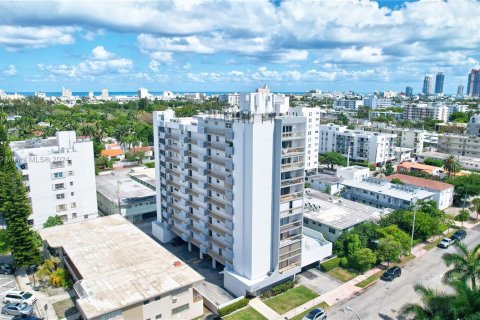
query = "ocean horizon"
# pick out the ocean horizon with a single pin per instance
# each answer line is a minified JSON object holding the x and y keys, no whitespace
{"x":133,"y":93}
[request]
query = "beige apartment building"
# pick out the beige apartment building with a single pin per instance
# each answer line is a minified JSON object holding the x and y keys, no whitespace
{"x":459,"y":145}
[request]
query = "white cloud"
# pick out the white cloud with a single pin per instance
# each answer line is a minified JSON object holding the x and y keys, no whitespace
{"x":101,"y":54}
{"x":10,"y":71}
{"x":154,"y":65}
{"x":15,"y":38}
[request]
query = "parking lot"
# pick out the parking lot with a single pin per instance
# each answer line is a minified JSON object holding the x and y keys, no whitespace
{"x":7,"y":282}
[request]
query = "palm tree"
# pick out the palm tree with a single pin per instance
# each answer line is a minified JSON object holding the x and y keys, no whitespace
{"x":451,"y":165}
{"x":466,"y":264}
{"x":464,"y":303}
{"x":475,"y":207}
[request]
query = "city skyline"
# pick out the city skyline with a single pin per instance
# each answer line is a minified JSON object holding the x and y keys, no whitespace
{"x":293,"y":46}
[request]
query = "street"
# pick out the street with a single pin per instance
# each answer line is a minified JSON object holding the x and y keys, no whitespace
{"x":383,"y":300}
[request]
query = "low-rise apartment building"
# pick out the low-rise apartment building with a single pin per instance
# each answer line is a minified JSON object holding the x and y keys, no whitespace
{"x":121,"y":273}
{"x":383,"y":194}
{"x":332,"y":215}
{"x":345,"y":104}
{"x":128,"y":192}
{"x":459,"y":145}
{"x":357,"y":145}
{"x":232,"y":186}
{"x":443,"y":192}
{"x":59,"y":174}
{"x":406,"y":137}
{"x":467,"y":163}
{"x":425,"y":111}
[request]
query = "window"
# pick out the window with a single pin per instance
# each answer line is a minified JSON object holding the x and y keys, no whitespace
{"x":74,"y":215}
{"x":331,"y":230}
{"x":70,"y":173}
{"x":69,"y":162}
{"x":60,"y":196}
{"x":146,"y":302}
{"x":72,"y":193}
{"x":180,"y":309}
{"x":73,"y":205}
{"x":59,"y":186}
{"x":158,"y":316}
{"x":85,"y":216}
{"x":57,"y":175}
{"x":71,"y":183}
{"x":61,"y":207}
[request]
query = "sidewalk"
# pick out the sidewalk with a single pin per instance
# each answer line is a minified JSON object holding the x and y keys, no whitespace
{"x":43,"y":307}
{"x":265,"y":310}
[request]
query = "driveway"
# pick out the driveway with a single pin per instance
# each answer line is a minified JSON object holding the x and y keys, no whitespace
{"x":317,"y":281}
{"x":383,"y":300}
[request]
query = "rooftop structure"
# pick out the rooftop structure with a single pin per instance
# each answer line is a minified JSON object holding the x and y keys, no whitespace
{"x":443,"y":191}
{"x":132,"y":189}
{"x":383,"y":194}
{"x":332,"y":215}
{"x":119,"y":269}
{"x":418,"y":167}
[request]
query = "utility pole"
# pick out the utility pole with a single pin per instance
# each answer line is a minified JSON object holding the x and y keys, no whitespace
{"x":413,"y":229}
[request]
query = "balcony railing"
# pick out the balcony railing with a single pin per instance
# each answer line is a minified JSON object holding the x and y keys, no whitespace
{"x":217,"y":243}
{"x":216,"y":174}
{"x":217,"y":229}
{"x":218,"y":216}
{"x":215,"y":188}
{"x":292,"y":151}
{"x":216,"y":202}
{"x":291,"y":196}
{"x":292,"y":166}
{"x":216,"y":145}
{"x":292,"y":181}
{"x":293,"y":135}
{"x":216,"y":131}
{"x":292,"y":211}
{"x":216,"y":160}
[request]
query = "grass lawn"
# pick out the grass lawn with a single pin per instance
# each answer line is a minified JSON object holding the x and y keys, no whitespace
{"x":370,"y":280}
{"x":322,"y":305}
{"x":65,"y":308}
{"x":343,"y":275}
{"x":245,"y":314}
{"x":291,"y":299}
{"x":433,"y":244}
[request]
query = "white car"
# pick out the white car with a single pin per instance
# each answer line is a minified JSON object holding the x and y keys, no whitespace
{"x":445,"y":243}
{"x":15,"y":296}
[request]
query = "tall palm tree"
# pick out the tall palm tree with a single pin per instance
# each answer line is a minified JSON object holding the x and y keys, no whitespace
{"x":475,"y":207}
{"x":451,"y":165}
{"x":466,"y":264}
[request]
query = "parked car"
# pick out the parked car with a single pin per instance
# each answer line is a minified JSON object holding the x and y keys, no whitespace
{"x":16,"y":309}
{"x":459,"y":235}
{"x":6,"y":268}
{"x":316,"y":314}
{"x":15,"y":296}
{"x":392,"y":273}
{"x":26,"y":317}
{"x":445,"y":243}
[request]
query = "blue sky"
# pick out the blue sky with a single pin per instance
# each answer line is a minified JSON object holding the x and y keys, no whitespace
{"x":204,"y":45}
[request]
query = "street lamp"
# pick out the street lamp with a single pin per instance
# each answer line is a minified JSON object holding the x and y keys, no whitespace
{"x":351,"y":310}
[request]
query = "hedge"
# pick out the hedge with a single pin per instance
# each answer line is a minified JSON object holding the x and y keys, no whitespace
{"x":233,"y":307}
{"x":330,"y":264}
{"x":281,"y":288}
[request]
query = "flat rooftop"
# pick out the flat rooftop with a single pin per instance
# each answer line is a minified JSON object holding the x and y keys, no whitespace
{"x":384,"y":187}
{"x":442,"y":156}
{"x":119,"y":264}
{"x":337,"y":212}
{"x":131,"y":190}
{"x":325,"y":177}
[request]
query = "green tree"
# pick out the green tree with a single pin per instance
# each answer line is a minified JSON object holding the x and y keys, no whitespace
{"x":451,"y":165}
{"x":15,"y":209}
{"x":475,"y":207}
{"x":389,"y":250}
{"x":332,"y":159}
{"x":53,"y":221}
{"x":389,"y":170}
{"x":394,"y":233}
{"x":463,"y":216}
{"x":342,"y":119}
{"x":466,"y":264}
{"x":460,"y":117}
{"x":434,"y":162}
{"x":465,"y":186}
{"x":397,"y":181}
{"x":363,"y":259}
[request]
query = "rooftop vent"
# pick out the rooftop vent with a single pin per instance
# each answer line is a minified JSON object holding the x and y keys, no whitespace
{"x":177,"y":264}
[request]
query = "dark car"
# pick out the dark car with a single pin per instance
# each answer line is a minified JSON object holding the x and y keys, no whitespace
{"x":316,"y":314}
{"x":6,"y":268}
{"x":16,"y":309}
{"x":392,"y":273}
{"x":25,"y":317}
{"x":459,"y":235}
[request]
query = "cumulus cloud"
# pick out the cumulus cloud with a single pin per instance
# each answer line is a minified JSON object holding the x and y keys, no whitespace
{"x":10,"y":71}
{"x":15,"y":38}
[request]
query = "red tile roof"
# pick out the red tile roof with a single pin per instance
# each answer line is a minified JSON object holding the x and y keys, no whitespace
{"x":421,"y":182}
{"x":111,"y":153}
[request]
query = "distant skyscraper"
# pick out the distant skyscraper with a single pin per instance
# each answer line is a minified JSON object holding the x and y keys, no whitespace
{"x":427,"y":84}
{"x":460,"y":90}
{"x":439,"y":79}
{"x":409,"y":91}
{"x":473,"y":84}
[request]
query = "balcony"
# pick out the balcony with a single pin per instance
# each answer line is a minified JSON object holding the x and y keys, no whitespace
{"x":189,"y":153}
{"x":292,"y":166}
{"x":174,"y":184}
{"x":173,"y":160}
{"x":292,"y":151}
{"x":216,"y":145}
{"x":193,"y":204}
{"x":217,"y":229}
{"x":293,"y":135}
{"x":176,"y":207}
{"x":229,"y":150}
{"x":215,"y":131}
{"x":173,"y":148}
{"x":172,"y":172}
{"x":290,"y":212}
{"x":190,"y":166}
{"x":291,"y":240}
{"x":291,"y":226}
{"x":175,"y":196}
{"x":216,"y":160}
{"x":291,"y":196}
{"x":218,"y":257}
{"x":193,"y":192}
{"x":292,"y":181}
{"x":216,"y":174}
{"x":217,"y":243}
{"x":218,"y":216}
{"x":215,"y":188}
{"x":229,"y":135}
{"x":216,"y":202}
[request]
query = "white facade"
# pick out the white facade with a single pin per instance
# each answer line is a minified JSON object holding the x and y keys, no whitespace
{"x":406,"y":137}
{"x":440,"y":112}
{"x":59,"y":174}
{"x":234,"y":189}
{"x":142,"y":93}
{"x":263,"y":101}
{"x":348,"y":104}
{"x":232,"y":99}
{"x":375,"y":103}
{"x":312,"y":138}
{"x":353,"y":173}
{"x":104,"y":95}
{"x":357,"y":145}
{"x":66,"y":93}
